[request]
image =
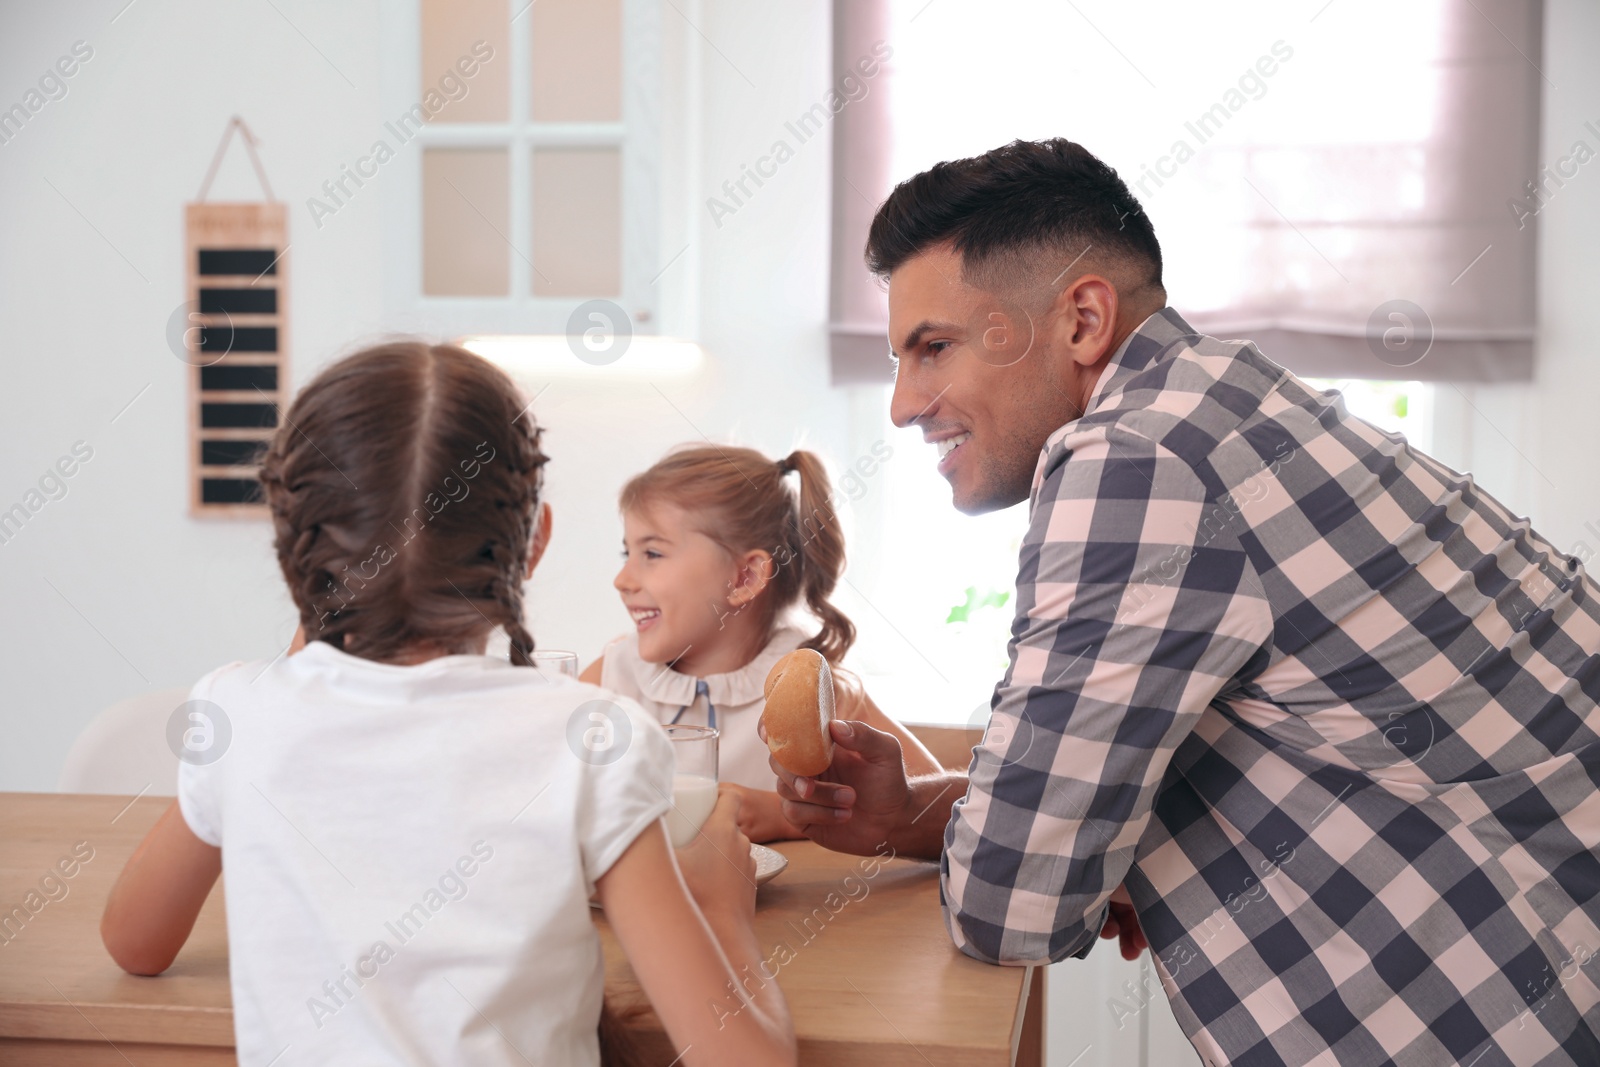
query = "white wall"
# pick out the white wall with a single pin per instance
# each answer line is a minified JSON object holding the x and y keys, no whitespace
{"x":90,"y":270}
{"x":113,"y":589}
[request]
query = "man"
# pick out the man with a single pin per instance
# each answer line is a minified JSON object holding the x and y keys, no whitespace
{"x":1323,"y":709}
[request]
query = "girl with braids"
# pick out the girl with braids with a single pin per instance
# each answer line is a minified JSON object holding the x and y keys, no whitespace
{"x":720,"y":548}
{"x":412,"y":829}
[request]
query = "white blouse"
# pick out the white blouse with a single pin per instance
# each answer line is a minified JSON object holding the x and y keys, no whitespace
{"x":738,"y":697}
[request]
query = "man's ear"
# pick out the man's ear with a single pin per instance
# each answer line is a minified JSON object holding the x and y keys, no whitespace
{"x":541,"y":539}
{"x":1085,"y":319}
{"x":755,"y":570}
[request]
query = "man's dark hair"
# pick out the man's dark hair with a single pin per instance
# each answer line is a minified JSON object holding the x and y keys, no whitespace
{"x":1012,"y":205}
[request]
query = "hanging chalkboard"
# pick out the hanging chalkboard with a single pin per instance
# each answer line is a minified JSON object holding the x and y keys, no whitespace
{"x":236,"y":341}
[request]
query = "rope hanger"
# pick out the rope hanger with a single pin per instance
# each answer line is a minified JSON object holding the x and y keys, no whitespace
{"x":250,"y":143}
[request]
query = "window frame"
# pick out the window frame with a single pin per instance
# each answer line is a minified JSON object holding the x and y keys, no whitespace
{"x":636,"y":135}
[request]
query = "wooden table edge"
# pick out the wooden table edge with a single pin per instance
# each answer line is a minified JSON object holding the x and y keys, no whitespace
{"x":130,"y":1024}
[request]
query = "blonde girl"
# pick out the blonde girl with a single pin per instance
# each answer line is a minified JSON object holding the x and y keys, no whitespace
{"x":722,"y":549}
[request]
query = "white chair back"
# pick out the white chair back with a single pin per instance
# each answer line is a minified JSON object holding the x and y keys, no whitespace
{"x":124,"y":749}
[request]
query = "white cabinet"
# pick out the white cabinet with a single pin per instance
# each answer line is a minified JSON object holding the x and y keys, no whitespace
{"x":1104,"y":1011}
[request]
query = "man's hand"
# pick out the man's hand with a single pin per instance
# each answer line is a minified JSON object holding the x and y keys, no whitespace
{"x":1122,"y":923}
{"x":862,"y":800}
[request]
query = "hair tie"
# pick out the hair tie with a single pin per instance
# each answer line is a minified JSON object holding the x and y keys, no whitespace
{"x":785,"y":465}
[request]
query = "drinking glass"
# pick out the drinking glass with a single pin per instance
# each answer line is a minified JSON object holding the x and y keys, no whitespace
{"x":694,"y":780}
{"x":553,"y":664}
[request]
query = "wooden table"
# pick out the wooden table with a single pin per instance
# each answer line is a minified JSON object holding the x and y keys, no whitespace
{"x":866,"y":965}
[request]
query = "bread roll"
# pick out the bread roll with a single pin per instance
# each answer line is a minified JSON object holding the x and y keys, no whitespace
{"x":799,"y":708}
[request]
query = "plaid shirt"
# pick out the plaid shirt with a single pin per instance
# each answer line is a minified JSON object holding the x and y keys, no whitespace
{"x":1325,"y":708}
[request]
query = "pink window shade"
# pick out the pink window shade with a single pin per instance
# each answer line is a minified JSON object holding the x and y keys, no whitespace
{"x":863,"y":159}
{"x":1374,"y":223}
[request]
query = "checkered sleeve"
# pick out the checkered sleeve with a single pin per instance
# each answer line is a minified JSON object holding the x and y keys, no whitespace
{"x":1136,"y":606}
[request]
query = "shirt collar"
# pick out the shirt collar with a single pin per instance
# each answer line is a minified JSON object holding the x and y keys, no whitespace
{"x":1140,"y":350}
{"x":664,"y":685}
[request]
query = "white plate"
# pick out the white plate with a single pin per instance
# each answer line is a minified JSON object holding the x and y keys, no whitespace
{"x":769,"y":864}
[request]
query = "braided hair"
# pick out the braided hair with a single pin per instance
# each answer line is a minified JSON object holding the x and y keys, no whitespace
{"x":404,"y":485}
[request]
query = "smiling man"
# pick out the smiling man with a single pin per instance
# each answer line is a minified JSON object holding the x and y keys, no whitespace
{"x":1322,"y":709}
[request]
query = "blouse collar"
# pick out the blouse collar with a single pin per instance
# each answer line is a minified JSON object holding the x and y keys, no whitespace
{"x":664,"y":685}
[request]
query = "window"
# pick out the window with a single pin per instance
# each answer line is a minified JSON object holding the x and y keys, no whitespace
{"x":1398,"y":407}
{"x":931,"y":591}
{"x":935,"y":600}
{"x":1250,"y":94}
{"x":1296,"y":203}
{"x":525,"y":153}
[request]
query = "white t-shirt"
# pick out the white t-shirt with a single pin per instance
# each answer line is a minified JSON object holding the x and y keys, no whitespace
{"x":408,"y":854}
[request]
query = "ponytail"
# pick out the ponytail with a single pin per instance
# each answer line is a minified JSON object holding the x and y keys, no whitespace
{"x":743,"y":502}
{"x":820,"y":550}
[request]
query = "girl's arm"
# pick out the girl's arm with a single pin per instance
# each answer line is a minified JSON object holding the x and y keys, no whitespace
{"x":156,"y":899}
{"x":857,"y":705}
{"x":690,"y":958}
{"x":591,"y":673}
{"x":761,"y":815}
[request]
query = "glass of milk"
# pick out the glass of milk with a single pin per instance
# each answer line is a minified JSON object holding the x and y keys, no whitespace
{"x":554,"y":664}
{"x":694,"y":782}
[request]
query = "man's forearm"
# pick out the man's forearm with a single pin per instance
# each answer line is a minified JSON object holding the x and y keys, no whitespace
{"x":921,"y":833}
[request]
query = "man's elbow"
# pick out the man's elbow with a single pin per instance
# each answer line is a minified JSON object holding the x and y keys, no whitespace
{"x":979,"y":938}
{"x":994,"y":943}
